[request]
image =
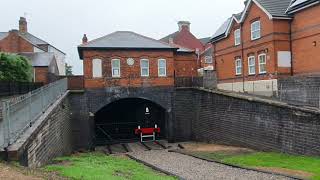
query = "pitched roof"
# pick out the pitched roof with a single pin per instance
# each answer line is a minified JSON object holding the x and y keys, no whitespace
{"x":3,"y":35}
{"x":221,"y":32}
{"x":273,"y":8}
{"x":126,"y":39}
{"x":42,"y":59}
{"x":277,"y":8}
{"x":297,"y":5}
{"x":167,"y":38}
{"x":33,"y":39}
{"x":184,"y":38}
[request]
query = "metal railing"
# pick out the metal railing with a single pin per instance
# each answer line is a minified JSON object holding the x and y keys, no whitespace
{"x":20,"y":113}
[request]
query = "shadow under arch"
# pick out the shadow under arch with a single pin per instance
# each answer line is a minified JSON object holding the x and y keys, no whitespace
{"x":117,"y":120}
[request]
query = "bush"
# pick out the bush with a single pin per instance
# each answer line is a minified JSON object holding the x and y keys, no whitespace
{"x":15,"y":68}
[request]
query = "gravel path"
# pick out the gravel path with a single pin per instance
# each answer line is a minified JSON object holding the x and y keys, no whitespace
{"x":192,"y":168}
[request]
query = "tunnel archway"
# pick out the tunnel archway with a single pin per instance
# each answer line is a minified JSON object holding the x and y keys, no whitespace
{"x":117,"y":121}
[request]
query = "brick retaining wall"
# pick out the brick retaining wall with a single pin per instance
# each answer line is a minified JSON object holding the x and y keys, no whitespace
{"x":300,"y":90}
{"x":48,"y":138}
{"x":246,"y":121}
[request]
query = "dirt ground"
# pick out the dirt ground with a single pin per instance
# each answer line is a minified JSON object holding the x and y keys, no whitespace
{"x":12,"y":172}
{"x":203,"y":147}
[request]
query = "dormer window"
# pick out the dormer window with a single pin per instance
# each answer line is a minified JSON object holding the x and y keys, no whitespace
{"x":255,"y":30}
{"x":237,"y":37}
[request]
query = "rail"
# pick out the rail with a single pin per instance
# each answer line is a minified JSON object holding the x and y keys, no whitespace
{"x":20,"y":113}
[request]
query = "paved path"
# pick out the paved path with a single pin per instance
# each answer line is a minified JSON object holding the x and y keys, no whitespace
{"x":191,"y":168}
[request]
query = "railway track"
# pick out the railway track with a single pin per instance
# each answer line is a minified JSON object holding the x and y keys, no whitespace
{"x":123,"y":148}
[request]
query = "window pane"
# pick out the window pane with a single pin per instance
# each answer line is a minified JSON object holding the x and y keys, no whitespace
{"x":162,"y":63}
{"x":162,"y":71}
{"x":96,"y":68}
{"x":144,"y":72}
{"x":116,"y":63}
{"x":144,"y":63}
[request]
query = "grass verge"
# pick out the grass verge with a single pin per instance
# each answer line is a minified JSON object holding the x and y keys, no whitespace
{"x":99,"y":166}
{"x":302,"y":166}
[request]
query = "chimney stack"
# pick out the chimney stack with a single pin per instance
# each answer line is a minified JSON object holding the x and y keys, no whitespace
{"x":84,"y":39}
{"x":184,"y":25}
{"x":23,"y":25}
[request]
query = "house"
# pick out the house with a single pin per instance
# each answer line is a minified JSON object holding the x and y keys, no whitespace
{"x":252,"y":48}
{"x":183,"y":38}
{"x":21,"y":41}
{"x":44,"y":64}
{"x":128,"y":59}
{"x":305,"y":36}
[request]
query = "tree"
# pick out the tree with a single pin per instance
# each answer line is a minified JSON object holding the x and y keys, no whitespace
{"x":15,"y":68}
{"x":68,"y":70}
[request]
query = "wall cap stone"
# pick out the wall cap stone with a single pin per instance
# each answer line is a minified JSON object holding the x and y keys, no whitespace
{"x":256,"y":99}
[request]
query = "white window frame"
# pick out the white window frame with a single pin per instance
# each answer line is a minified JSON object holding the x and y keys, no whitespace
{"x":253,"y":31}
{"x":208,"y":59}
{"x":165,"y":68}
{"x":113,"y":68}
{"x":237,"y":37}
{"x":96,"y":68}
{"x":251,"y":65}
{"x":141,"y":68}
{"x":265,"y":63}
{"x":237,"y":67}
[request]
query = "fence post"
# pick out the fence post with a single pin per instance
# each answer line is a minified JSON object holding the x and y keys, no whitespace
{"x":6,"y":122}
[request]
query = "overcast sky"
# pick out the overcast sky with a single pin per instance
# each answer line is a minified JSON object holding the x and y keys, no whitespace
{"x":63,"y":22}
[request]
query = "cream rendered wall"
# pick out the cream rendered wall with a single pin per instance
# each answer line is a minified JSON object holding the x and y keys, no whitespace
{"x":261,"y":87}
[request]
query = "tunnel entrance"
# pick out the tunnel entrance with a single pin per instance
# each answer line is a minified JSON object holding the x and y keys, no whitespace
{"x":117,"y":121}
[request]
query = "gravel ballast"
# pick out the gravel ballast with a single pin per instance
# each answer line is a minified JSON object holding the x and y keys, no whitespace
{"x":191,"y":168}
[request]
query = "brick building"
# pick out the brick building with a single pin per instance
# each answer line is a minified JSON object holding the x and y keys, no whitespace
{"x":45,"y":68}
{"x":202,"y":48}
{"x":305,"y":30}
{"x":127,"y":59}
{"x":21,"y":41}
{"x":254,"y":48}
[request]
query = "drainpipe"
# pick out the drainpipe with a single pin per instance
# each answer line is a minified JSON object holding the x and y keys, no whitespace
{"x":290,"y":41}
{"x":242,"y":56}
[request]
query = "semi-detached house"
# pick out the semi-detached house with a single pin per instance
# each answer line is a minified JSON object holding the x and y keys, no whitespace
{"x":252,"y":48}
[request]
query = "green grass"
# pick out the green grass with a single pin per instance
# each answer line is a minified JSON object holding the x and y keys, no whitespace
{"x":99,"y":166}
{"x":275,"y":160}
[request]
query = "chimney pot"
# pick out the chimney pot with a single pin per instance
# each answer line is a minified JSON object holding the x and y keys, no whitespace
{"x":184,"y":25}
{"x":84,"y":39}
{"x":23,"y":25}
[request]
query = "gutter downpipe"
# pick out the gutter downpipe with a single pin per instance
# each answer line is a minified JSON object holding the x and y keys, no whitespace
{"x":242,"y":56}
{"x":290,"y":42}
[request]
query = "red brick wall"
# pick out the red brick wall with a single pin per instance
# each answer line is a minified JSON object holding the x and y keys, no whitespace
{"x":135,"y":79}
{"x":13,"y":43}
{"x":185,"y":64}
{"x":41,"y":74}
{"x":274,"y":37}
{"x":306,"y":31}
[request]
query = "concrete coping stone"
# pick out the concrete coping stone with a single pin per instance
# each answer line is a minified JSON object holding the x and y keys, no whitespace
{"x":256,"y":99}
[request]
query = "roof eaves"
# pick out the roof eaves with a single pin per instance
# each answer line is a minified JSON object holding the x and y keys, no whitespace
{"x":302,"y":6}
{"x":249,"y":5}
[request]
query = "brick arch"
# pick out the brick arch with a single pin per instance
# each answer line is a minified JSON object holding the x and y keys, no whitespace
{"x":102,"y":97}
